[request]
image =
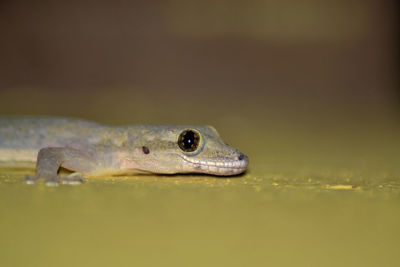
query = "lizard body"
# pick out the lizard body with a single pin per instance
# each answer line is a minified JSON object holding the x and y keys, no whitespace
{"x":94,"y":149}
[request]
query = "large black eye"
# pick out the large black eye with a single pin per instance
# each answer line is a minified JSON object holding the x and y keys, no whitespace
{"x":189,"y":140}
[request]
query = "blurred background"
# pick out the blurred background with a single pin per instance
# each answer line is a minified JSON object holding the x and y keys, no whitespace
{"x":308,"y":89}
{"x":196,"y":61}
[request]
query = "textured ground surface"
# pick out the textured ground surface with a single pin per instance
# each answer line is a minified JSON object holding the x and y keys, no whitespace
{"x":310,"y":200}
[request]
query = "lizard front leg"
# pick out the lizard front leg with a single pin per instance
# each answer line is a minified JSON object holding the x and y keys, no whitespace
{"x":50,"y":159}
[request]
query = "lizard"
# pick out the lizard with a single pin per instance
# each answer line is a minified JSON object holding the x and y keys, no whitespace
{"x":90,"y":149}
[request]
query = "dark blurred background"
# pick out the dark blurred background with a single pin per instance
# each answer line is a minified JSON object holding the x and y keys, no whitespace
{"x":200,"y":61}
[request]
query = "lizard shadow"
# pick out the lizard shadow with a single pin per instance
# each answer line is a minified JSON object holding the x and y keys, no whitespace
{"x":175,"y":175}
{"x":186,"y":175}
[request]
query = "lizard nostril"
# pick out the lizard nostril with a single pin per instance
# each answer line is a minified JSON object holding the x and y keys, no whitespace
{"x":241,"y":156}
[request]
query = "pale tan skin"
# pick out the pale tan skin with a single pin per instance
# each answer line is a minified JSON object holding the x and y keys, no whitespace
{"x":93,"y":149}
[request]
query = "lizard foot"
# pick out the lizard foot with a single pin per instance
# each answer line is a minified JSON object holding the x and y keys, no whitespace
{"x":72,"y":179}
{"x":52,"y":182}
{"x":75,"y":178}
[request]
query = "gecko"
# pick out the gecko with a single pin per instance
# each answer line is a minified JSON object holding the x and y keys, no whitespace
{"x":90,"y":149}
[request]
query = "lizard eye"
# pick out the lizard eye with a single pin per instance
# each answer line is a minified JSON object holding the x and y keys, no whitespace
{"x":189,"y":140}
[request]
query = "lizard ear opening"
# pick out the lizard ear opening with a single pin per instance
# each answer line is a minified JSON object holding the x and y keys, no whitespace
{"x":189,"y":140}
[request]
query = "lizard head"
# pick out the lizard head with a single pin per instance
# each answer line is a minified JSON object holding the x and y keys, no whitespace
{"x":185,"y":149}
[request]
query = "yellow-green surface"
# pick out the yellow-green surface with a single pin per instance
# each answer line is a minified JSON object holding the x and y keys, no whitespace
{"x":326,"y":199}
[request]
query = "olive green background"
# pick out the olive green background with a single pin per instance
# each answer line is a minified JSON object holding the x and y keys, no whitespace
{"x":307,"y":89}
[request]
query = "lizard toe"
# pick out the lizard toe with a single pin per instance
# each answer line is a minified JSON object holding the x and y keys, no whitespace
{"x":52,"y":182}
{"x":75,"y":178}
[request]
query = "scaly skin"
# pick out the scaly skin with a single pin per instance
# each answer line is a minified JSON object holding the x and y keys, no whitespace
{"x":96,"y":150}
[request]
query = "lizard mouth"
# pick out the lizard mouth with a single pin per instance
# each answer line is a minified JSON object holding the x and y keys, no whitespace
{"x":222,"y":167}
